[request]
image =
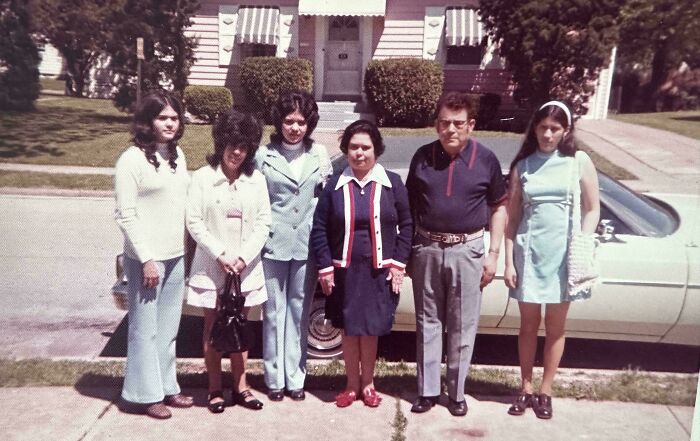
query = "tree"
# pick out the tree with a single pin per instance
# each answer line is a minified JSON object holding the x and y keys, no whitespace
{"x":78,"y":29}
{"x":553,"y":48}
{"x":656,"y":36}
{"x":169,"y":53}
{"x":19,"y":58}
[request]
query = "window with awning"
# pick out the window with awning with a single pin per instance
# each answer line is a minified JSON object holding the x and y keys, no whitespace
{"x":258,"y":25}
{"x":464,"y":36}
{"x":343,"y":7}
{"x":462,"y":27}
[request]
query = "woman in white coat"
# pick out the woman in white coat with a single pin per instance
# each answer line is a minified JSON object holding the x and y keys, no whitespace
{"x":230,"y":223}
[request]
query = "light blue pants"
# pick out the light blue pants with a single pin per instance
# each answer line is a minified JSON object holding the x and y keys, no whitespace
{"x":154,"y":318}
{"x":447,"y":299}
{"x":290,"y":291}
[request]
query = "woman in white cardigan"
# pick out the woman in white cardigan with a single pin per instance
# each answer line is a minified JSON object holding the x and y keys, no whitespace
{"x":230,"y":222}
{"x":150,"y":184}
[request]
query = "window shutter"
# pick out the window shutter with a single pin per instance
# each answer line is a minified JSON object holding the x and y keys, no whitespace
{"x":228,"y":16}
{"x":433,"y":29}
{"x":289,"y":32}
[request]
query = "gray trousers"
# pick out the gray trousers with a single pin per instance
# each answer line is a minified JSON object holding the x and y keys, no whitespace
{"x":447,"y":299}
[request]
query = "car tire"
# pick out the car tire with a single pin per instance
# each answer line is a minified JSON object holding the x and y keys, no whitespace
{"x":324,"y":341}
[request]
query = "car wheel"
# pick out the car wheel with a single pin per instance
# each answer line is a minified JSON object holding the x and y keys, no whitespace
{"x":324,"y":340}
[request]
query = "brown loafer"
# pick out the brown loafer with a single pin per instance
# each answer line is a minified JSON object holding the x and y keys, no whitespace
{"x":158,"y":411}
{"x":521,"y":403}
{"x":542,"y":405}
{"x":178,"y":400}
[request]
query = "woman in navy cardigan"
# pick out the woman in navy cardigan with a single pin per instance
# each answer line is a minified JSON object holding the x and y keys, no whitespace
{"x":361,"y":237}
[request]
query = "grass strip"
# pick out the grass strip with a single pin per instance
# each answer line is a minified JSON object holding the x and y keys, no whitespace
{"x":603,"y":164}
{"x":399,"y":424}
{"x":392,"y":378}
{"x":683,"y":123}
{"x":55,"y":180}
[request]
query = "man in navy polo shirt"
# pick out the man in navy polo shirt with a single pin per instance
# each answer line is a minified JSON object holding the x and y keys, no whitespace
{"x":455,"y":188}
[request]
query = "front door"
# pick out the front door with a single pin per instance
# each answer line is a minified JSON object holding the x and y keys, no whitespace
{"x":343,"y":58}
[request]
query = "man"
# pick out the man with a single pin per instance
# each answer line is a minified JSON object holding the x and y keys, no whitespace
{"x":455,"y":188}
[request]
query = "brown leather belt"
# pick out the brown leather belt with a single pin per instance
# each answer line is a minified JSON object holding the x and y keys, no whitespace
{"x":449,"y":238}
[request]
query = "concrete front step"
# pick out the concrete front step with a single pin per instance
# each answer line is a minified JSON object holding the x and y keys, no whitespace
{"x":342,"y":106}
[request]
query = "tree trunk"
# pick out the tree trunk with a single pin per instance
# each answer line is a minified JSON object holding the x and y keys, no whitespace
{"x":658,"y":74}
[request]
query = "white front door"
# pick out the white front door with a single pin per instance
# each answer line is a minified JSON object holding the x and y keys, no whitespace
{"x":343,"y":57}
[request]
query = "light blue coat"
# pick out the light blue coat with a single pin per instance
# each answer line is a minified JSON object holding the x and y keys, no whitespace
{"x":292,"y":201}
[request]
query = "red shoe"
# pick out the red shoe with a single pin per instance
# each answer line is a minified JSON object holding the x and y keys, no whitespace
{"x":370,"y":398}
{"x":345,"y":398}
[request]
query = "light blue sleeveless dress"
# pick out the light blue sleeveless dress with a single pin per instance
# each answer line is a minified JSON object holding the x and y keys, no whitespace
{"x":550,"y":182}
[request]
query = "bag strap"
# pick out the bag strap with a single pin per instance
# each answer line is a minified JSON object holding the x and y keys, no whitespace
{"x":574,"y":182}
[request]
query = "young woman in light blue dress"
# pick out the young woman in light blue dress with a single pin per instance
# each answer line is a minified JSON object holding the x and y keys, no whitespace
{"x":547,"y":176}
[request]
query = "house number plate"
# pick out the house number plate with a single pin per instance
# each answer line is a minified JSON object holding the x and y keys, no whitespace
{"x":342,"y":56}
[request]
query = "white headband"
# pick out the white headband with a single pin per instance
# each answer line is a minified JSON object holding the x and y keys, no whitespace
{"x":562,"y":106}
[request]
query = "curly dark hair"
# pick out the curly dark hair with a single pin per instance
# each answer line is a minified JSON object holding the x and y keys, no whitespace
{"x":455,"y":101}
{"x":234,"y":128}
{"x":363,"y":126}
{"x":567,"y":146}
{"x":287,"y":103}
{"x":142,"y":132}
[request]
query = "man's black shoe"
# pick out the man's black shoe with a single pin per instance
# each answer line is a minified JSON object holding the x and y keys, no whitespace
{"x":423,"y":404}
{"x":457,"y":408}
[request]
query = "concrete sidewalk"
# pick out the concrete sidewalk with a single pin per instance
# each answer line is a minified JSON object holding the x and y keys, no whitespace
{"x":66,"y":413}
{"x":663,"y":162}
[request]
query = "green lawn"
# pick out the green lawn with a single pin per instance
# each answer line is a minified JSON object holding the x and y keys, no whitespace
{"x":684,"y":123}
{"x":88,"y":132}
{"x":52,"y":84}
{"x":55,"y":180}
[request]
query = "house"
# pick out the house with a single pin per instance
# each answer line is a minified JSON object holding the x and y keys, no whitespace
{"x":339,"y":38}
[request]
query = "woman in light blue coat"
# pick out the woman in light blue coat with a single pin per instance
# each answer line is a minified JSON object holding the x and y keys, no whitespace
{"x":295,"y":168}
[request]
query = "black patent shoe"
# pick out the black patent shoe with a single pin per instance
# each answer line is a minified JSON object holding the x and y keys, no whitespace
{"x":457,"y":408}
{"x":247,"y":400}
{"x":275,"y":394}
{"x":542,"y":405}
{"x":297,"y":394}
{"x":520,"y":404}
{"x":216,"y":406}
{"x":423,"y":404}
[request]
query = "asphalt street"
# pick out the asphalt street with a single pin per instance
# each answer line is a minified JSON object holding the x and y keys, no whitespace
{"x":56,"y":270}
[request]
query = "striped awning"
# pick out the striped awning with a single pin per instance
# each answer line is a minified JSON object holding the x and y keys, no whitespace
{"x":342,"y":7}
{"x":258,"y":24}
{"x":462,"y":27}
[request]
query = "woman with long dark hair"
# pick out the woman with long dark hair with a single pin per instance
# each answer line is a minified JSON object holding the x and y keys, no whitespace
{"x":295,"y":168}
{"x":549,"y":181}
{"x":230,"y":221}
{"x":150,"y":184}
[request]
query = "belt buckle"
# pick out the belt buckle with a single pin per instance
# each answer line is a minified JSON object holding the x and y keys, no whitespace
{"x":456,"y":238}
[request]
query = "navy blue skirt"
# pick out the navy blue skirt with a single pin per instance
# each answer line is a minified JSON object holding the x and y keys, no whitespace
{"x":361,"y":302}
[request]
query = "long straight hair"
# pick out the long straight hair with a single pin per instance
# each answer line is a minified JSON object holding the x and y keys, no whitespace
{"x":566,"y":146}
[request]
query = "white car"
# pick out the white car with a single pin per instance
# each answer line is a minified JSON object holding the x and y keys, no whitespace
{"x":650,"y":290}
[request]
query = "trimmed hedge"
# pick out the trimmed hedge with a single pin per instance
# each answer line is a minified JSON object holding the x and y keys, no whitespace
{"x":264,"y":78}
{"x":403,"y":91}
{"x":205,"y":102}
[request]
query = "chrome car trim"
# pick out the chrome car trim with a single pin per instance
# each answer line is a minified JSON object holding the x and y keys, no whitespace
{"x":638,"y":283}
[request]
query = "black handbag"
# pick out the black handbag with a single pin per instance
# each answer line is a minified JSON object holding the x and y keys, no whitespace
{"x":231,"y":331}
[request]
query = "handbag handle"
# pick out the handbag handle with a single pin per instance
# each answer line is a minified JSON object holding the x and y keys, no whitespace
{"x":233,"y":280}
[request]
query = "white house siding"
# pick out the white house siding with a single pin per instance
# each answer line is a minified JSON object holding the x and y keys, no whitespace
{"x":598,"y":103}
{"x":208,"y":69}
{"x":402,"y":32}
{"x":51,"y":64}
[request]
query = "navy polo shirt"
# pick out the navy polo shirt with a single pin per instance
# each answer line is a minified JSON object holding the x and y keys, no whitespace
{"x":454,"y":195}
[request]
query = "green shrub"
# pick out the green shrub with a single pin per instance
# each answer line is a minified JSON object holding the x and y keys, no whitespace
{"x":403,"y":91}
{"x":263,"y":78}
{"x":486,"y":109}
{"x":205,"y":102}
